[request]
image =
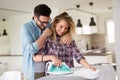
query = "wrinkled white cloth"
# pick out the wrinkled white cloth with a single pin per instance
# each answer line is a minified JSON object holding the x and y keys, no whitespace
{"x":86,"y":73}
{"x":107,"y":72}
{"x":104,"y":72}
{"x":11,"y":75}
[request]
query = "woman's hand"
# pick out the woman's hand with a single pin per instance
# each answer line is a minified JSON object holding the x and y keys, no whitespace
{"x":57,"y":62}
{"x":92,"y":68}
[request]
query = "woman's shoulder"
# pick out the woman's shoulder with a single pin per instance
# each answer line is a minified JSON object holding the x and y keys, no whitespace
{"x":71,"y":44}
{"x":73,"y":41}
{"x":48,"y":39}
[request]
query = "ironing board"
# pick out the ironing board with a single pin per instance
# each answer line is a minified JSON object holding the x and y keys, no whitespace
{"x":106,"y":73}
{"x":66,"y":71}
{"x":61,"y":78}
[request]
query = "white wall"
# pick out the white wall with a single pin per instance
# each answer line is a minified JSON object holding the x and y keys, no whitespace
{"x":14,"y":24}
{"x":116,"y":5}
{"x":101,"y":19}
{"x":4,"y":40}
{"x":81,"y":41}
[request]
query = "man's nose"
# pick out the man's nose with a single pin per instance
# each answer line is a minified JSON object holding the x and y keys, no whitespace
{"x":44,"y":24}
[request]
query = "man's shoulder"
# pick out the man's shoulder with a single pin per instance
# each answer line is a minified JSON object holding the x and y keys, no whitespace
{"x":29,"y":25}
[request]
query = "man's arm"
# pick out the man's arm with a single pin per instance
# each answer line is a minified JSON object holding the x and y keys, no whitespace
{"x":40,"y":41}
{"x":28,"y":40}
{"x":43,"y":58}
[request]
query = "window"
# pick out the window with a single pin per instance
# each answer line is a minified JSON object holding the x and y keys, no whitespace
{"x":110,"y":31}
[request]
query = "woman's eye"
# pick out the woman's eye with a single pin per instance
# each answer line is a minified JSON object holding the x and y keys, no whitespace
{"x":66,"y":28}
{"x":61,"y":26}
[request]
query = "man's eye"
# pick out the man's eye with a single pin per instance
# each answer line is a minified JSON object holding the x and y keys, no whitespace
{"x":44,"y":22}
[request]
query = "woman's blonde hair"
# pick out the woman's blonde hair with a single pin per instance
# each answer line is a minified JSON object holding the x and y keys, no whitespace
{"x":63,"y":16}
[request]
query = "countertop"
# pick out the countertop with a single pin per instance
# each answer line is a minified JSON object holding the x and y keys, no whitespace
{"x":10,"y":55}
{"x":96,"y":54}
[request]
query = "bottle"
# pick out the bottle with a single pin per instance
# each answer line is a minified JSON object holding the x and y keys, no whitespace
{"x":87,"y":47}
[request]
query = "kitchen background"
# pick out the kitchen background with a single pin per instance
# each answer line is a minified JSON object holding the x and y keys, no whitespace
{"x":13,"y":15}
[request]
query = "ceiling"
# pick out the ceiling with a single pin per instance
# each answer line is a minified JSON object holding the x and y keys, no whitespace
{"x":13,"y":7}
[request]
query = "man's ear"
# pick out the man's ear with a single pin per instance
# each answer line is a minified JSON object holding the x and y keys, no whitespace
{"x":35,"y":18}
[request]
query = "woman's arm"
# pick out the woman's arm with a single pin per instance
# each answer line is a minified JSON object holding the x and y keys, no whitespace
{"x":85,"y":64}
{"x":80,"y":58}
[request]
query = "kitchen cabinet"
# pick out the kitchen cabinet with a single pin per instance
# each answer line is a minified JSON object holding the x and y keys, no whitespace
{"x":86,"y":30}
{"x":96,"y":58}
{"x":4,"y":45}
{"x":11,"y":63}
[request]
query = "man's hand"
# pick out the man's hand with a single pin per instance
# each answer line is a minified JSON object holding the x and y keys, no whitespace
{"x":47,"y":32}
{"x":66,"y":39}
{"x":40,"y":41}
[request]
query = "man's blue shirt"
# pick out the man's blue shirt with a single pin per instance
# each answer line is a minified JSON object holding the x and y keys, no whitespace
{"x":30,"y":32}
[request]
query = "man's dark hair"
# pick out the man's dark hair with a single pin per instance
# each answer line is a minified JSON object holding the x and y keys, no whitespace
{"x":42,"y":9}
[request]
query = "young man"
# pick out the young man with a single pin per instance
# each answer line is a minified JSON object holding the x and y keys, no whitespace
{"x":33,"y":34}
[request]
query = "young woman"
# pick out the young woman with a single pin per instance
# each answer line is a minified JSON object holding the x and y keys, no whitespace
{"x":62,"y":24}
{"x":33,"y":34}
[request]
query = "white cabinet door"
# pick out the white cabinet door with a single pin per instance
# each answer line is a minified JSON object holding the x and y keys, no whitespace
{"x":97,"y":59}
{"x":11,"y":63}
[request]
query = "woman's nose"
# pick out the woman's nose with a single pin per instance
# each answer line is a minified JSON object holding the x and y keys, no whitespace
{"x":62,"y":30}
